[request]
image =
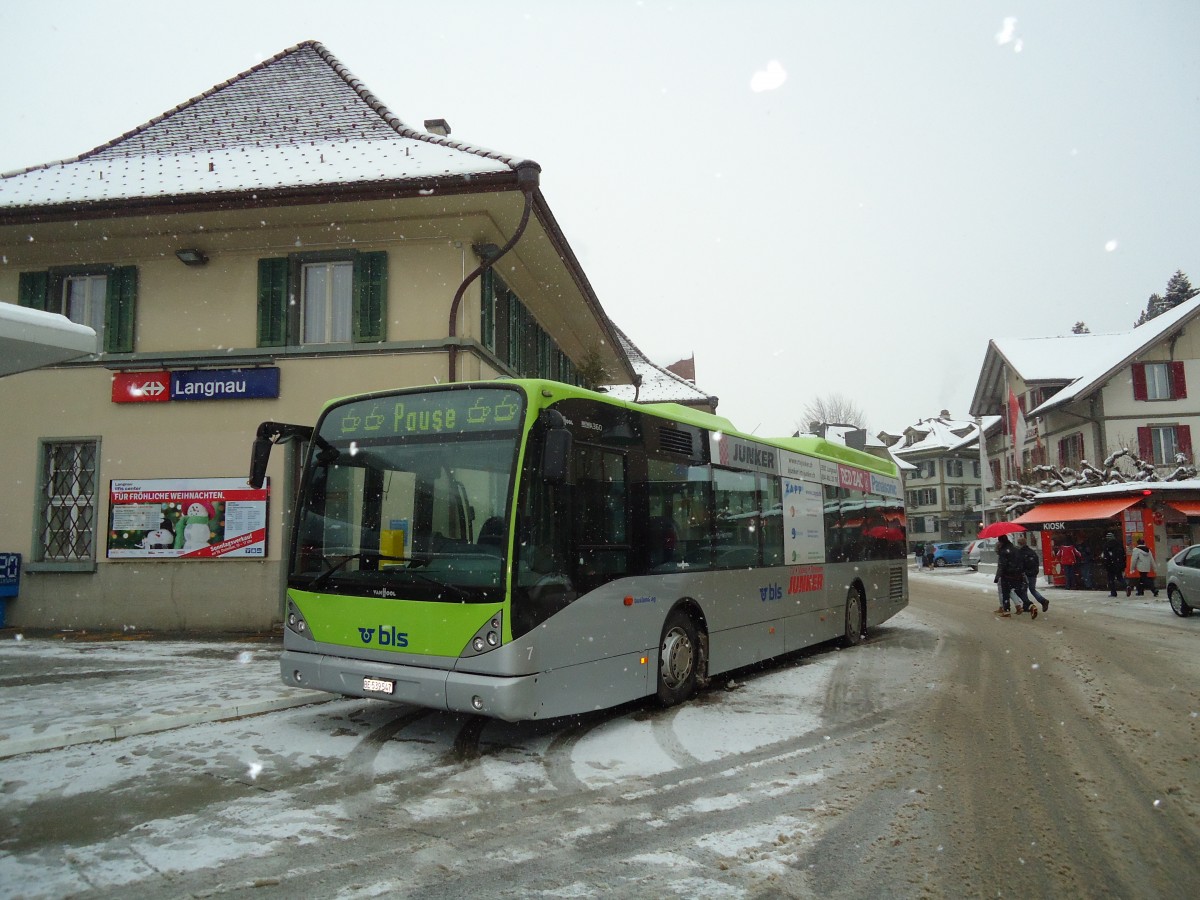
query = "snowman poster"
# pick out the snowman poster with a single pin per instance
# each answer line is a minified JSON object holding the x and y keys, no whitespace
{"x":187,"y":518}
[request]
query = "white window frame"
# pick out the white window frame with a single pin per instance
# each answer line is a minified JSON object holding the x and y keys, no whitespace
{"x":83,"y":301}
{"x":1164,"y":439}
{"x":1158,"y":380}
{"x":327,"y":302}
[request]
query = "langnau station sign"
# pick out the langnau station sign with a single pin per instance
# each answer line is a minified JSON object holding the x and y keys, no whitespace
{"x":196,"y":384}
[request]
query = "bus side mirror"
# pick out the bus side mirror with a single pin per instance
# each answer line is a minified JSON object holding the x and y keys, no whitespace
{"x":556,"y":455}
{"x":260,"y":452}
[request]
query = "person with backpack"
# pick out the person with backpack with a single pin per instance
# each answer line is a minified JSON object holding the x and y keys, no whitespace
{"x":1068,"y":558}
{"x":1030,"y":564}
{"x":1011,"y":577}
{"x":1113,"y":555}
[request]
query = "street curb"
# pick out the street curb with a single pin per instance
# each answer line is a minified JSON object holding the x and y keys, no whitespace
{"x":94,"y":733}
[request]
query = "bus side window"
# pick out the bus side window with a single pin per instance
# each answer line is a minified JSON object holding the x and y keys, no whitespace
{"x":600,"y":516}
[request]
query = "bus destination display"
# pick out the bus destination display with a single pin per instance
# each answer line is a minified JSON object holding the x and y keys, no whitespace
{"x":423,"y":415}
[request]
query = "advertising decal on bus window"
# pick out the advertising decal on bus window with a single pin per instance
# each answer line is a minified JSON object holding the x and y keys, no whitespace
{"x":803,"y":522}
{"x":187,"y":518}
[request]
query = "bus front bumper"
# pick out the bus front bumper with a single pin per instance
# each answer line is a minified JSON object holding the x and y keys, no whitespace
{"x":510,"y":698}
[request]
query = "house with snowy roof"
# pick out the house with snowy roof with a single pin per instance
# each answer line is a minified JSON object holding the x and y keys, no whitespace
{"x":658,"y":384}
{"x":282,"y":239}
{"x":943,"y":495}
{"x":1083,"y":397}
{"x":1097,"y":402}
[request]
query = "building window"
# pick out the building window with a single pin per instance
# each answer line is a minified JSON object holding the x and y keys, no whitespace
{"x":1163,"y":444}
{"x":956,"y":496}
{"x":340,"y":298}
{"x":954,"y":468}
{"x":923,"y":497}
{"x":1159,"y":381}
{"x":67,"y":502}
{"x":327,"y":288}
{"x":102,"y":297}
{"x":1070,"y":450}
{"x":979,"y":496}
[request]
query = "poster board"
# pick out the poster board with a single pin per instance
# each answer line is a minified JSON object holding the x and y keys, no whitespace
{"x":187,"y":518}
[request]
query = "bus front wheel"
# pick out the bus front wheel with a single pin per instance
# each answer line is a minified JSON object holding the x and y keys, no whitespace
{"x":678,"y":655}
{"x":856,"y":618}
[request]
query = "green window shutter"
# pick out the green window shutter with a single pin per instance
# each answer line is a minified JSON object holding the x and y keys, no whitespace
{"x":120,"y":309}
{"x":487,"y":309}
{"x":272,"y":302}
{"x":370,"y":297}
{"x":33,"y":290}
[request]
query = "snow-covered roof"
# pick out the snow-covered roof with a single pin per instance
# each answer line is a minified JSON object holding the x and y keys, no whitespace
{"x":298,"y":120}
{"x":1079,"y":362}
{"x":1127,"y":487}
{"x":30,"y":339}
{"x":658,"y":384}
{"x":940,"y":435}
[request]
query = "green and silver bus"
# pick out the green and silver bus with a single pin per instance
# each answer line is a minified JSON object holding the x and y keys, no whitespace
{"x":524,"y":549}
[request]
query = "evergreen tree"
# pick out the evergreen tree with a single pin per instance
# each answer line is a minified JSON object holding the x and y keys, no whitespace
{"x":1179,"y":290}
{"x":1081,"y":328}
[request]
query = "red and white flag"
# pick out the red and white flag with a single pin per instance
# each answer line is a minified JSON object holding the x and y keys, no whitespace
{"x":1016,"y":428}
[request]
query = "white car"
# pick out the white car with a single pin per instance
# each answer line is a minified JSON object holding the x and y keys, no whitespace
{"x":1183,"y":580}
{"x":983,"y":550}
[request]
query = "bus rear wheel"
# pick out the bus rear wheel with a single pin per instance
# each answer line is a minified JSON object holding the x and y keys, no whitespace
{"x":856,"y":618}
{"x":678,"y":656}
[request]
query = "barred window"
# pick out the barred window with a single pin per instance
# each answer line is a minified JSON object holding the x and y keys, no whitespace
{"x":67,"y":518}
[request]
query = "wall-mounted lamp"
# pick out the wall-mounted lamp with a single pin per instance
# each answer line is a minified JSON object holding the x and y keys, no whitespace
{"x":191,"y":257}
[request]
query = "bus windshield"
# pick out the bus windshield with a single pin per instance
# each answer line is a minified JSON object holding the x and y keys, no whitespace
{"x":409,"y":495}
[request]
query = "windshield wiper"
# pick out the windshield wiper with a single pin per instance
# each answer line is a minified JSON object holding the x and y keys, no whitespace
{"x":365,"y":554}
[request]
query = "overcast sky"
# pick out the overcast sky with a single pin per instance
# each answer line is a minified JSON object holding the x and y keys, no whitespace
{"x":825,"y":197}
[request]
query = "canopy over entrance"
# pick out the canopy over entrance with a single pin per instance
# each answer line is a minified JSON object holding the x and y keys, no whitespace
{"x":30,"y":339}
{"x":1076,"y":511}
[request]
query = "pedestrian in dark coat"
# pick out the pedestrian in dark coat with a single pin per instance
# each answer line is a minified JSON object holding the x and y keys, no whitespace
{"x":1030,"y":564}
{"x":1113,"y":556}
{"x":1011,"y":577}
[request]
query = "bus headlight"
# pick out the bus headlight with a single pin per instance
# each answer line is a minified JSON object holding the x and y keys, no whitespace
{"x":488,"y":637}
{"x":296,"y":622}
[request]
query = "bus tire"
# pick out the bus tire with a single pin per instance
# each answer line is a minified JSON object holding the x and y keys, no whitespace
{"x":678,"y":657}
{"x":856,"y":618}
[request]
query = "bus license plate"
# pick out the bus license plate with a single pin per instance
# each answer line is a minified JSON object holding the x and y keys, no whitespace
{"x":379,"y":685}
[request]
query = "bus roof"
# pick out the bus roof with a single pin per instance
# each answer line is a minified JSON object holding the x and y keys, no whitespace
{"x":810,"y":445}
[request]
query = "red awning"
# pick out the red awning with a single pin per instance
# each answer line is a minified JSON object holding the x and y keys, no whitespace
{"x":1076,"y":511}
{"x":1187,"y":507}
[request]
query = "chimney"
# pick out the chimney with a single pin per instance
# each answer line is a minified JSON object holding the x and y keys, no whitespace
{"x":437,"y":126}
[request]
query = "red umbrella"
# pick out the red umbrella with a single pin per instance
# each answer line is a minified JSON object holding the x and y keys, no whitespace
{"x":998,"y":528}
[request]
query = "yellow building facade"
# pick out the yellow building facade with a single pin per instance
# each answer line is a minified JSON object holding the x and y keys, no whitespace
{"x":277,"y":242}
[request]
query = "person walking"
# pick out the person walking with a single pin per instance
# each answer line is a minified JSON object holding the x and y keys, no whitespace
{"x":1011,"y":577}
{"x":1068,"y":558}
{"x":1142,"y":562}
{"x":1028,"y":559}
{"x":1113,"y":556}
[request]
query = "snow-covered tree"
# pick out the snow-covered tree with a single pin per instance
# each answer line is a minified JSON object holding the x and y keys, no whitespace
{"x":1081,"y":328}
{"x":1019,"y":497}
{"x":1179,"y":290}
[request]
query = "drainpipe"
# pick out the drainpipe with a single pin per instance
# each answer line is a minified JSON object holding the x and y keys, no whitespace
{"x":527,"y":180}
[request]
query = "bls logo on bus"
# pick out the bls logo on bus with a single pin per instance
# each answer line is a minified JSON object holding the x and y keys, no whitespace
{"x":388,"y":636}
